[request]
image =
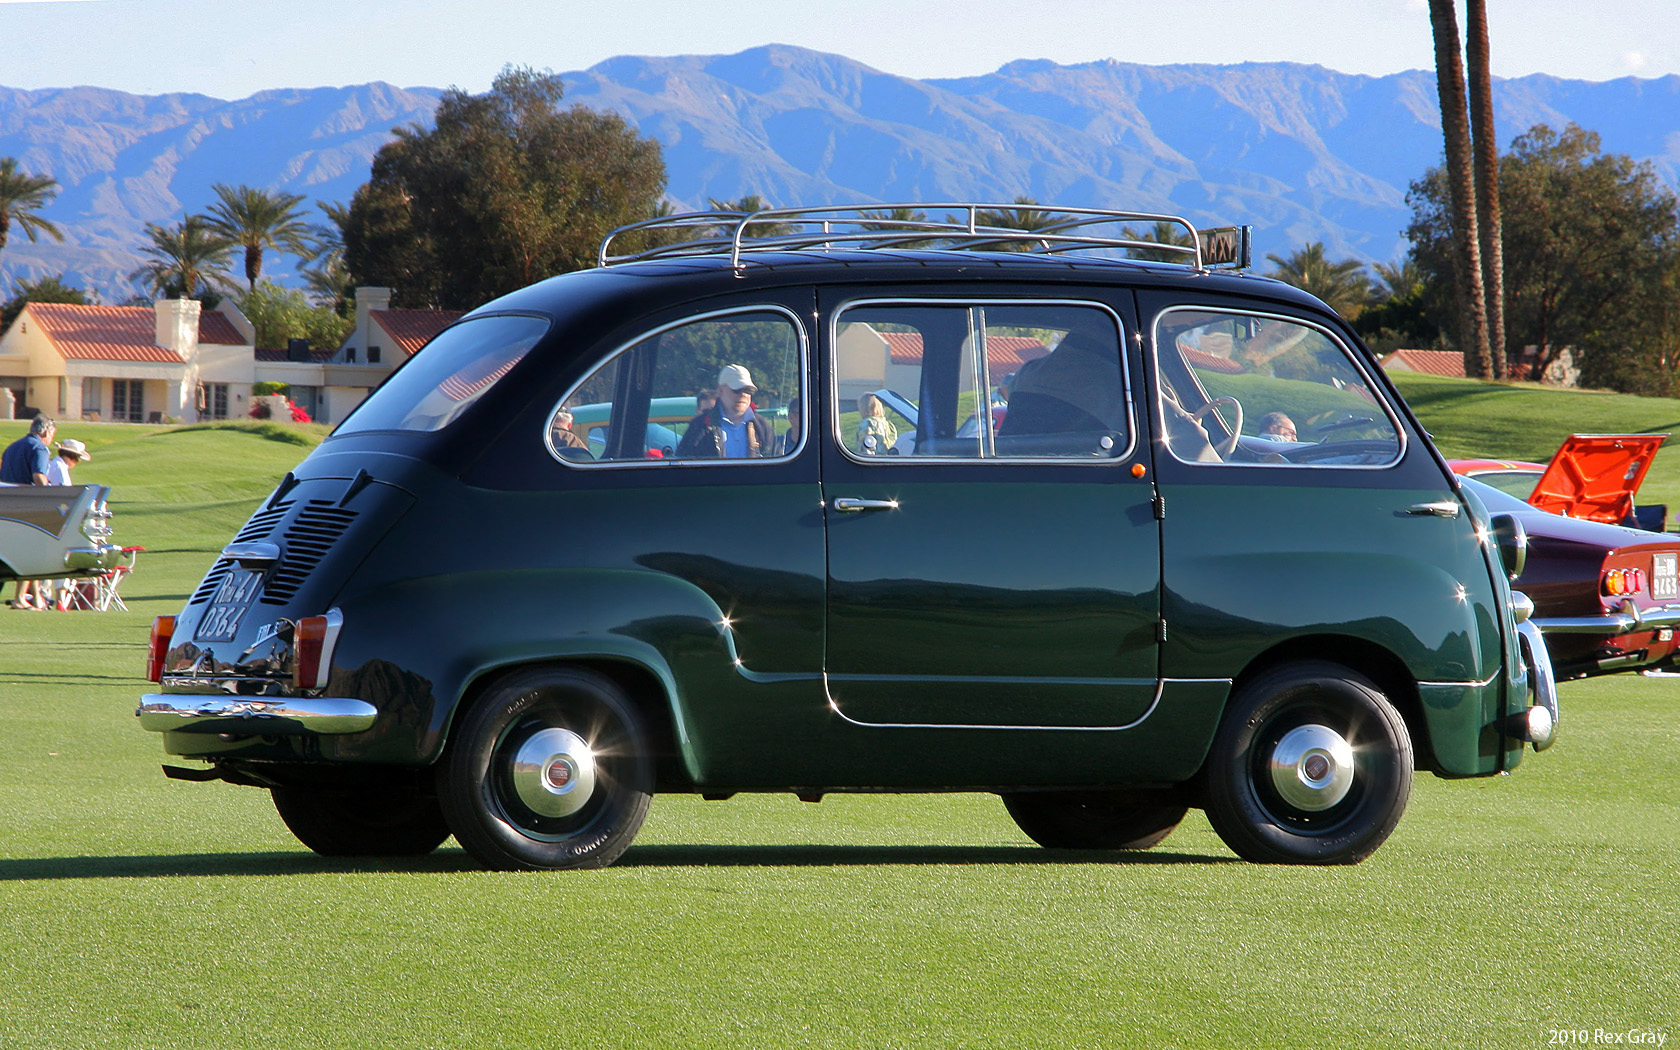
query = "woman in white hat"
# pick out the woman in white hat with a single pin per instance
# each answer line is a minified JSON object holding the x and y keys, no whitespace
{"x":70,"y":453}
{"x":54,"y":593}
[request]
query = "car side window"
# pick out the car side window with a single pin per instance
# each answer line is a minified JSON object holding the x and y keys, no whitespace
{"x":1246,"y":388}
{"x":721,"y":387}
{"x":979,"y":381}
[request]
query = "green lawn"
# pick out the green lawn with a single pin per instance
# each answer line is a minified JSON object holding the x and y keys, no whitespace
{"x":1470,"y":420}
{"x":147,"y":913}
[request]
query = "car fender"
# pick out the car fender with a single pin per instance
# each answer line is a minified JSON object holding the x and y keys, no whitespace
{"x":497,"y":621}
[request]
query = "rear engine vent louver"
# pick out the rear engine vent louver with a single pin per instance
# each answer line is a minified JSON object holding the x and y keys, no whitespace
{"x":260,"y":526}
{"x":307,"y":540}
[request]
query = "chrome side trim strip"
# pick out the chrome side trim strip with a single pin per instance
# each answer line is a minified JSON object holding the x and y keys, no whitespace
{"x":1483,"y":684}
{"x":253,"y":715}
{"x":1160,"y":689}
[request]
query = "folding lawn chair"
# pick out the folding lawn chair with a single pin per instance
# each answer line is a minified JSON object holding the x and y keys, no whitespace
{"x":108,"y":582}
{"x":78,"y":594}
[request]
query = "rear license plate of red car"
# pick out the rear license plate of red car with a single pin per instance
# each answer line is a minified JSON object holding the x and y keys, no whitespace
{"x":227,"y":607}
{"x":1665,"y":577}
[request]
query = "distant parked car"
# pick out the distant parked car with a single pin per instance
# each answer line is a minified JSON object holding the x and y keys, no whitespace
{"x":1591,"y":476}
{"x":1606,"y":597}
{"x":54,"y":532}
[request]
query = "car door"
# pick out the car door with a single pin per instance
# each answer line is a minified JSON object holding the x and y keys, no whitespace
{"x":1002,"y":575}
{"x":1302,"y":511}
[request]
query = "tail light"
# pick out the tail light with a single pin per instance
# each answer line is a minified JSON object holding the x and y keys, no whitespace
{"x":1618,"y":582}
{"x":163,"y":629}
{"x":308,"y":642}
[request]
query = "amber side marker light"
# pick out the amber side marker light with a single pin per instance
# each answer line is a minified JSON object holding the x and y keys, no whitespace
{"x":163,"y":629}
{"x":307,"y":642}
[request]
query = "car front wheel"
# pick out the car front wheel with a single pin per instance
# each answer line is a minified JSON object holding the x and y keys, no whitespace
{"x":1312,"y":765}
{"x":550,"y":769}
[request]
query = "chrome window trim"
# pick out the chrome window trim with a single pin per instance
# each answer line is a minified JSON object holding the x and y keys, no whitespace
{"x":669,"y":464}
{"x":832,"y":385}
{"x":1376,"y":389}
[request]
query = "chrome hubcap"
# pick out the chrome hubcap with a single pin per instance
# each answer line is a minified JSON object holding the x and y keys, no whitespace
{"x":554,"y":772}
{"x":1312,"y":768}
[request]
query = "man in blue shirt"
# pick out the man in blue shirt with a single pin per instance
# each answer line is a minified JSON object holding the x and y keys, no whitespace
{"x":25,"y":460}
{"x":25,"y":463}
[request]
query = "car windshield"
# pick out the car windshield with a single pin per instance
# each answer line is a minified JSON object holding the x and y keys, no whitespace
{"x":447,"y":375}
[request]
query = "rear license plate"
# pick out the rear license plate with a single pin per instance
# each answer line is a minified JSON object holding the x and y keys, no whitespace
{"x":1665,"y":577}
{"x":228,"y":605}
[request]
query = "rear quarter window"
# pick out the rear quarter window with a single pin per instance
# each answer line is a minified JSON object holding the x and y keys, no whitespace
{"x":447,"y":375}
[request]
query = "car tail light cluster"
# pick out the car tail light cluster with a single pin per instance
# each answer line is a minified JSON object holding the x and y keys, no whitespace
{"x":306,"y":653}
{"x":1623,"y":581}
{"x":163,"y":629}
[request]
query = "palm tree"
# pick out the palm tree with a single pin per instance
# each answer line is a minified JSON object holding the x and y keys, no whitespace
{"x":257,"y":220}
{"x":1455,"y":127}
{"x":1400,"y":279}
{"x":1489,"y":226}
{"x":897,"y":224}
{"x":1160,"y":233}
{"x":327,"y":277}
{"x":21,"y":196}
{"x":752,"y":202}
{"x":186,"y":259}
{"x":1343,"y":286}
{"x":1025,"y":217}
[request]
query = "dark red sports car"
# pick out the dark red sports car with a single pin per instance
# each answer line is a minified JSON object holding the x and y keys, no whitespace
{"x":1606,"y":597}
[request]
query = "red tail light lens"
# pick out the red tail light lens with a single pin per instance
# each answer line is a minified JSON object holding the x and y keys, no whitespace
{"x":307,"y":643}
{"x":163,"y":629}
{"x":1618,"y":582}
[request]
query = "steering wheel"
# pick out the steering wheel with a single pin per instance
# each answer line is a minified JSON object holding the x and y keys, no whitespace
{"x":1229,"y":445}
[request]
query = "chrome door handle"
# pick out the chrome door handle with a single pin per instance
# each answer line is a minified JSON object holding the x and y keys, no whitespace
{"x":848,"y":505}
{"x":1445,"y":508}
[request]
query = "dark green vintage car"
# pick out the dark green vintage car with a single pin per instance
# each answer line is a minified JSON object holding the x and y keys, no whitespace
{"x":1202,"y":556}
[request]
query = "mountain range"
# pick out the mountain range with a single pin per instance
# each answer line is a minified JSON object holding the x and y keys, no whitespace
{"x":1303,"y":153}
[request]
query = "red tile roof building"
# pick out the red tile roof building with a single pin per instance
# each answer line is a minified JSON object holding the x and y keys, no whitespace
{"x":120,"y":333}
{"x":172,"y":360}
{"x":409,"y":330}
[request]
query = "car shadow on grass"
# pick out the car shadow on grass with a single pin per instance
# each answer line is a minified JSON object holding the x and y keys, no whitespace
{"x":809,"y":856}
{"x":189,"y":865}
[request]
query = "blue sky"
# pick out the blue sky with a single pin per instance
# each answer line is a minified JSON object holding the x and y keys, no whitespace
{"x":233,"y":48}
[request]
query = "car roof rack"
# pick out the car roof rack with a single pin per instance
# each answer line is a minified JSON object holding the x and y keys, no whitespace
{"x":1031,"y":228}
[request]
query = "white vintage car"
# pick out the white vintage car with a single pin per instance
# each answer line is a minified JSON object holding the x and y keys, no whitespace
{"x":55,"y":531}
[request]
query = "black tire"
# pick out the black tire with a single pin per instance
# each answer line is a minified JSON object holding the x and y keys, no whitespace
{"x":397,"y":821}
{"x":579,"y":793}
{"x":1320,"y":804}
{"x":1093,"y":819}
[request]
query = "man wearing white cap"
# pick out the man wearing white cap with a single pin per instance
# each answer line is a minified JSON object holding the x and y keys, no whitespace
{"x":729,"y":429}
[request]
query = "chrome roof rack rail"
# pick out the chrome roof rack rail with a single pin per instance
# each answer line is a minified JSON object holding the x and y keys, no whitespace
{"x":1042,"y":230}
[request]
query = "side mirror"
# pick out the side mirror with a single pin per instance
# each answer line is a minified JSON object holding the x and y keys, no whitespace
{"x":1512,"y":540}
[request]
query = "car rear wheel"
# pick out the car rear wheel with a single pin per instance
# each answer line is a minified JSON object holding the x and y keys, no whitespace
{"x":394,"y":821}
{"x":1312,"y":765}
{"x":1093,"y":819}
{"x":550,"y":769}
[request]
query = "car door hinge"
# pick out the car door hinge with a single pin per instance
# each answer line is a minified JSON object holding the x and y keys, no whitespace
{"x":1161,"y":630}
{"x":1160,"y":505}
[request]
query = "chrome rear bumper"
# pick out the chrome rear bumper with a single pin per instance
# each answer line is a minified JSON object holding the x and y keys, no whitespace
{"x":1628,"y":618}
{"x":253,"y":715}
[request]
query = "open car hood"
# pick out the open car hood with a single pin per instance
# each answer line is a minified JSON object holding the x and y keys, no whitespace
{"x":1594,"y":476}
